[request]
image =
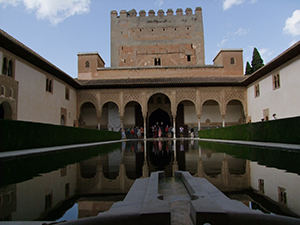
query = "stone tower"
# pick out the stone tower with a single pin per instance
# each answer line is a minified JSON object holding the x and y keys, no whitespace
{"x":157,"y":40}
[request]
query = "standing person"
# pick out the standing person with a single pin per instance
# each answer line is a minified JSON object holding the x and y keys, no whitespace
{"x":138,"y":132}
{"x":192,"y":133}
{"x":159,"y":132}
{"x":123,"y":134}
{"x":181,"y":129}
{"x":132,"y":133}
{"x":142,"y":132}
{"x":167,"y":130}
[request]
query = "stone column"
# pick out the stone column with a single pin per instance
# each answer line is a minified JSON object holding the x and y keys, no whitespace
{"x":223,"y":122}
{"x":98,"y":120}
{"x":145,"y":127}
{"x":122,"y":121}
{"x":199,"y":126}
{"x":174,"y":126}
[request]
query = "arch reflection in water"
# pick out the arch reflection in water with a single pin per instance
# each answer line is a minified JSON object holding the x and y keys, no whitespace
{"x":115,"y":172}
{"x":228,"y":167}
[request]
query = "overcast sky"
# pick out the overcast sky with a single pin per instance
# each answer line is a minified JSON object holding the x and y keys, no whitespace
{"x":59,"y":29}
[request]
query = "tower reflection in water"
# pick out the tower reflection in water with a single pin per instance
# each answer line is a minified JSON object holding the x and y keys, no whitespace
{"x":230,"y":168}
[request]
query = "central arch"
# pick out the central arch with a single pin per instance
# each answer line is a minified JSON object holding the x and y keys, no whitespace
{"x":159,"y":111}
{"x":159,"y":117}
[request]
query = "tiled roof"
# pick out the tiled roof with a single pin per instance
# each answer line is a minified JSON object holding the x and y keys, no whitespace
{"x":163,"y":82}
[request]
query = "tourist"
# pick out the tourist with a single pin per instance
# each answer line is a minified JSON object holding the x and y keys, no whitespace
{"x":181,"y":129}
{"x":159,"y":132}
{"x":138,"y":132}
{"x":123,"y":134}
{"x":167,"y":130}
{"x":192,"y":133}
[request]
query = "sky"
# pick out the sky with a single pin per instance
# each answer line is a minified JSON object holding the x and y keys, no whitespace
{"x":59,"y":29}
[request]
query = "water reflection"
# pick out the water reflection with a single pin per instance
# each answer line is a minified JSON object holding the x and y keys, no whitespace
{"x":58,"y":180}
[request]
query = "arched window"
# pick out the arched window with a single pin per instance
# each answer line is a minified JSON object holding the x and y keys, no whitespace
{"x":232,"y":61}
{"x":10,"y":69}
{"x":276,"y":81}
{"x":50,"y":86}
{"x":87,"y":64}
{"x":67,"y":93}
{"x":47,"y":84}
{"x":4,"y":66}
{"x":11,"y":93}
{"x":2,"y":91}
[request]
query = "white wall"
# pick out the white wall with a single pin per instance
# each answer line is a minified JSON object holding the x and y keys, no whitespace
{"x":38,"y":105}
{"x":282,"y":101}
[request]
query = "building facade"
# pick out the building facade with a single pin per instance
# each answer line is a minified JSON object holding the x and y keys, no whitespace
{"x":157,"y":77}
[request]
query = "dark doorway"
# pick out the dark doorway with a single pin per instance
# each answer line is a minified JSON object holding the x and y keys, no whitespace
{"x":159,"y":116}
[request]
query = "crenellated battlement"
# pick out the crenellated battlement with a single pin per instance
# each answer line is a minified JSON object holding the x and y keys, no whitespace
{"x":151,"y":13}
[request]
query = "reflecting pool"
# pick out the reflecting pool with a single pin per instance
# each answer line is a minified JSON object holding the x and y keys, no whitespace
{"x":80,"y":183}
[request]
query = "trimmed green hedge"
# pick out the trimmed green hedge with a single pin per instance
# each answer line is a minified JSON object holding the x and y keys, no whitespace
{"x":281,"y":131}
{"x":17,"y":135}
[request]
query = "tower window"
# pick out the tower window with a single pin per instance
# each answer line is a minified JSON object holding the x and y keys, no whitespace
{"x":157,"y":62}
{"x":188,"y":58}
{"x":232,"y":61}
{"x":87,"y":64}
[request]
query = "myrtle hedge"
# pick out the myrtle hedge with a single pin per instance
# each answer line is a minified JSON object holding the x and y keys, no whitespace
{"x":17,"y":135}
{"x":281,"y":131}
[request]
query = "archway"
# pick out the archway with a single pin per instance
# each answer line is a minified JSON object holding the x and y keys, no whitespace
{"x":234,"y":113}
{"x":88,"y":116}
{"x":211,"y":115}
{"x":5,"y":111}
{"x":159,"y":117}
{"x":110,"y":118}
{"x":186,"y":117}
{"x":159,"y":112}
{"x":133,"y":115}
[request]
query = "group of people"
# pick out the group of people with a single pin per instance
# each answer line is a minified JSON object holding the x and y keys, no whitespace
{"x":160,"y":131}
{"x":157,"y":131}
{"x":132,"y":133}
